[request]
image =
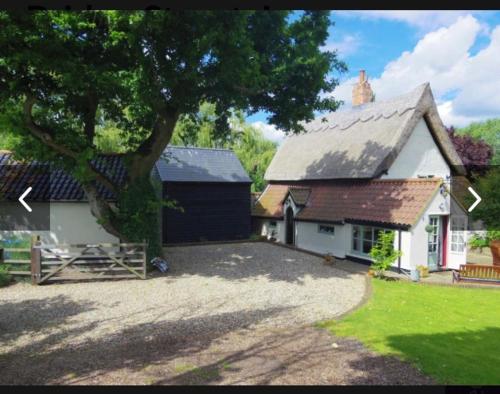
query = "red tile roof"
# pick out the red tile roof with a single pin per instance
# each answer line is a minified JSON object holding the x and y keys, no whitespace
{"x":270,"y":203}
{"x":398,"y":201}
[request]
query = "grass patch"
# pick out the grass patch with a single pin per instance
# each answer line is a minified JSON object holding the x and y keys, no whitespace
{"x":181,"y":368}
{"x":450,"y":333}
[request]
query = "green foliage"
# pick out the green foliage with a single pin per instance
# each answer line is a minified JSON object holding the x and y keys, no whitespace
{"x":108,"y":139}
{"x":478,"y":242}
{"x":138,"y":215}
{"x":249,"y":144}
{"x":134,"y":64}
{"x":383,"y":252}
{"x":489,"y":131}
{"x":5,"y":278}
{"x":488,"y":210}
{"x":449,"y":333}
{"x":17,"y":242}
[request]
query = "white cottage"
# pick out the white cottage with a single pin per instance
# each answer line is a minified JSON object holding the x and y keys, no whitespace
{"x":60,"y":210}
{"x":381,"y":165}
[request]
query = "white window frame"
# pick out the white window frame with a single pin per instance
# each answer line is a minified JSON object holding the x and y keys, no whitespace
{"x":325,"y":231}
{"x":457,"y":240}
{"x":360,"y":238}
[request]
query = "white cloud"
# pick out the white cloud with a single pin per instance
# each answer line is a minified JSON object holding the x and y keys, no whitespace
{"x":450,"y":117}
{"x":466,"y":87}
{"x":346,"y":46}
{"x":423,"y":20}
{"x":269,"y":131}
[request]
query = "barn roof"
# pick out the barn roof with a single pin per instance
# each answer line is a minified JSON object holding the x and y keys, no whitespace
{"x":359,"y":143}
{"x":52,"y":184}
{"x":383,"y":201}
{"x":187,"y":164}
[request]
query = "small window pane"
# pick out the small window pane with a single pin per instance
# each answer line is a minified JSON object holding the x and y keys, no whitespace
{"x":367,"y":245}
{"x":355,"y":244}
{"x":355,"y":231}
{"x":367,"y":233}
{"x":326,"y":229}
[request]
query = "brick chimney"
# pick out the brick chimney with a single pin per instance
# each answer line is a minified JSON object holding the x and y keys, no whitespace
{"x":362,"y":92}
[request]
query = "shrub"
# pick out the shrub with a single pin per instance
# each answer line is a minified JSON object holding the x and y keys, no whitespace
{"x":383,"y":253}
{"x":5,"y":278}
{"x":478,"y":242}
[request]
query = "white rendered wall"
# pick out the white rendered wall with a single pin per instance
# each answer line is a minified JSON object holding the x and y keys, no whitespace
{"x":70,"y":222}
{"x":419,"y":156}
{"x":73,"y":223}
{"x":265,"y":229}
{"x":308,"y":237}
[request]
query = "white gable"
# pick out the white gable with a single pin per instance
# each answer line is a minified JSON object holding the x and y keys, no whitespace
{"x":419,"y":156}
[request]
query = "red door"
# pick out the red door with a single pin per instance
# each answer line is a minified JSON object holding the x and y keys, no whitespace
{"x":445,"y":240}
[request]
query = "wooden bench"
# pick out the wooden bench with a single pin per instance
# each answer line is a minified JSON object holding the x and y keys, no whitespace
{"x":477,"y":273}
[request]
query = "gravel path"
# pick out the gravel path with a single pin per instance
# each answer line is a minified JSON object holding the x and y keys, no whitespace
{"x":215,"y":299}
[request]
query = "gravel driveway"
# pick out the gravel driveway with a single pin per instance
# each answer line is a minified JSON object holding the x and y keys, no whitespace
{"x":221,"y":307}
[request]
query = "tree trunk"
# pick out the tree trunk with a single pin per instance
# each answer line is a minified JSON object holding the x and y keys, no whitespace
{"x":103,"y":212}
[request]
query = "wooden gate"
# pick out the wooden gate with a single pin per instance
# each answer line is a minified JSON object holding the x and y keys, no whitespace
{"x":77,"y":262}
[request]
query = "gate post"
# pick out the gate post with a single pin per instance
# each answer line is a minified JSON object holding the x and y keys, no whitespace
{"x":36,"y":260}
{"x":144,"y":258}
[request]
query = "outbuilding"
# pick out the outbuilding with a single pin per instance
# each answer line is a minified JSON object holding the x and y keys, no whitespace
{"x":211,"y":190}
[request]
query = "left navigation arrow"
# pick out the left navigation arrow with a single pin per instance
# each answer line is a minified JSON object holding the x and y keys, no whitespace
{"x":23,"y":196}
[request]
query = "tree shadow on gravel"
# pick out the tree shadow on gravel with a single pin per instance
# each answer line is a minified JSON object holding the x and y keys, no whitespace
{"x":45,"y":361}
{"x":301,"y":356}
{"x":34,"y":315}
{"x":243,"y":261}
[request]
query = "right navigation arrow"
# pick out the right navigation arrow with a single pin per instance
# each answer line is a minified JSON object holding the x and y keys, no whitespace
{"x":478,"y":199}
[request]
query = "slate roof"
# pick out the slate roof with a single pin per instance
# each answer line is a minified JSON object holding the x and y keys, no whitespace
{"x":388,"y":201}
{"x":52,"y":184}
{"x":361,"y":142}
{"x":186,"y":164}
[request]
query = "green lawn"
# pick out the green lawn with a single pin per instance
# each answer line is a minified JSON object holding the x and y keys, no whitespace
{"x":450,"y":333}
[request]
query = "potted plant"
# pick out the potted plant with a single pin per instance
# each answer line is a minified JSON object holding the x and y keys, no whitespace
{"x":488,"y":210}
{"x":494,"y":241}
{"x":424,"y":271}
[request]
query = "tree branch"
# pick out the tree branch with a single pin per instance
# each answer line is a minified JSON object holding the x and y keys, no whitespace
{"x":103,"y":178}
{"x":144,"y":158}
{"x":89,"y":118}
{"x":47,"y":139}
{"x":40,"y":133}
{"x":102,"y":209}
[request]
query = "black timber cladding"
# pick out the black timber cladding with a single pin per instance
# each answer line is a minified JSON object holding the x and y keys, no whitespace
{"x":213,"y":190}
{"x":212,"y":212}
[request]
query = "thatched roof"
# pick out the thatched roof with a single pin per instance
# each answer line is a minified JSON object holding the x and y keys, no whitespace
{"x":362,"y":142}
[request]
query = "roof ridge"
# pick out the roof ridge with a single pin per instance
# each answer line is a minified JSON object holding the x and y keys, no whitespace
{"x":416,"y":180}
{"x":200,"y":148}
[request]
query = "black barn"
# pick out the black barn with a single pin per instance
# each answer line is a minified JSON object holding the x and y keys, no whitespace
{"x":213,"y":190}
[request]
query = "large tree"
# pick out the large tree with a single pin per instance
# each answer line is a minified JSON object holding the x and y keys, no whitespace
{"x":64,"y":74}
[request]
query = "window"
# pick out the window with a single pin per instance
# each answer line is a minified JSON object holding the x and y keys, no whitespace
{"x":458,"y":234}
{"x":326,"y":229}
{"x":272,"y":223}
{"x":433,"y":238}
{"x":364,"y":237}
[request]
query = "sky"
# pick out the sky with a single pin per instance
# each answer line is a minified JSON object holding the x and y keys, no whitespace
{"x":457,"y":52}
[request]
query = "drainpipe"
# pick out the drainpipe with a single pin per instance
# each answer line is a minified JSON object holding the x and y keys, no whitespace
{"x":399,"y":248}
